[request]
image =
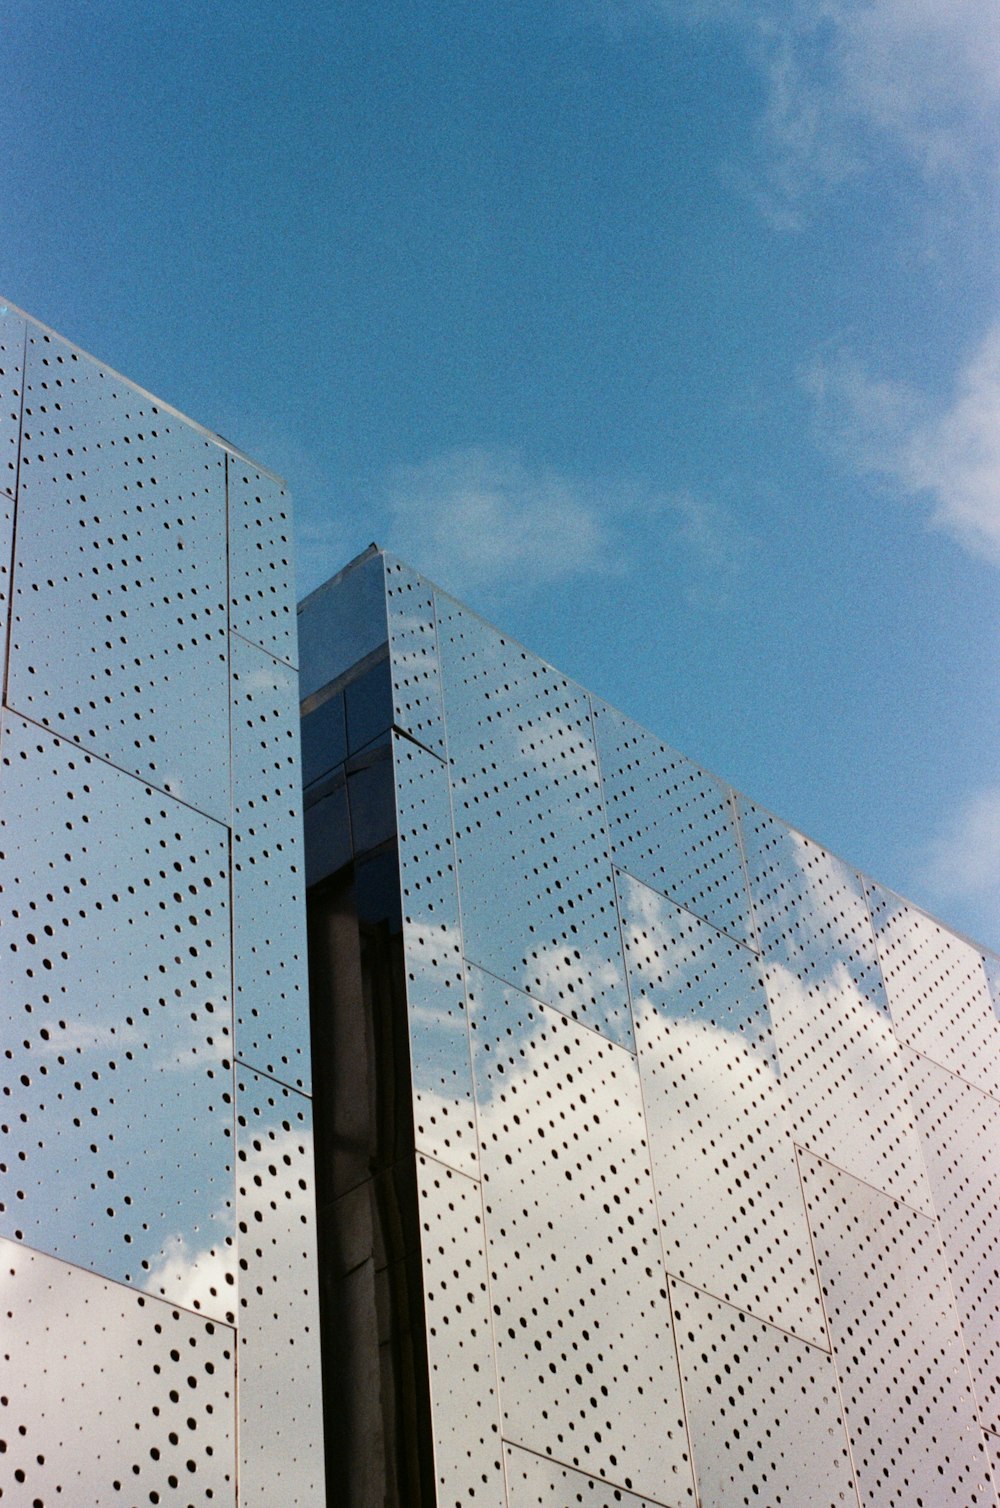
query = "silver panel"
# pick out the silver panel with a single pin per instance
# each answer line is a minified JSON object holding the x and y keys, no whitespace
{"x":809,"y":906}
{"x":535,"y":1482}
{"x":341,"y":622}
{"x":991,"y":964}
{"x":763,"y":1409}
{"x":960,"y":1131}
{"x":992,"y":1444}
{"x":843,"y":1070}
{"x":119,"y":630}
{"x":269,"y":944}
{"x":11,"y":359}
{"x":117,"y":1019}
{"x":938,"y":991}
{"x":583,"y":1329}
{"x":671,"y":824}
{"x":444,"y":1114}
{"x":529,"y":825}
{"x":280,"y":1398}
{"x":110,"y":1397}
{"x":727,"y":1184}
{"x":416,"y":673}
{"x":908,"y":1400}
{"x":261,"y":577}
{"x":465,"y":1420}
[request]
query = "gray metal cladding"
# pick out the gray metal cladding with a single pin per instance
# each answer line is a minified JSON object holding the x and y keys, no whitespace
{"x":730,"y":1230}
{"x":156,"y":1215}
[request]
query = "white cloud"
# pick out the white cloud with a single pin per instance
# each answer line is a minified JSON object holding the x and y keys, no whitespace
{"x":950,"y":456}
{"x":850,"y":84}
{"x":473,"y":514}
{"x":964,"y":858}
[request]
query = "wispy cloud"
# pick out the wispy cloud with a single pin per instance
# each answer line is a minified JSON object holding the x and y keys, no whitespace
{"x":963,"y":861}
{"x":851,"y":83}
{"x":471,"y":515}
{"x":948,"y":455}
{"x":484,"y":514}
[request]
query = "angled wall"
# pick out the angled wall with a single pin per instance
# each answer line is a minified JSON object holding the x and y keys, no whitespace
{"x":659,"y":1158}
{"x":156,"y":1208}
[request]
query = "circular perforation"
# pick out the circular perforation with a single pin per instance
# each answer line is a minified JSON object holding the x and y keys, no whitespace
{"x":587,"y":1367}
{"x":529,"y":824}
{"x":119,"y":629}
{"x":262,"y":594}
{"x":108,"y":1396}
{"x":416,"y":678}
{"x":116,"y":990}
{"x":905,"y":1385}
{"x":272,"y":1028}
{"x":671,"y":823}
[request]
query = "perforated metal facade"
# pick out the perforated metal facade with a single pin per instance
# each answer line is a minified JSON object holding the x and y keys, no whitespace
{"x":157,"y":1216}
{"x":660,"y":1146}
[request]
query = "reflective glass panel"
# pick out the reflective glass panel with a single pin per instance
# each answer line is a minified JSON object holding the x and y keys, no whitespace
{"x":763,"y":1409}
{"x":585,"y":1354}
{"x":110,"y":1396}
{"x":120,"y":623}
{"x":416,"y":674}
{"x":341,"y":622}
{"x":959,"y":1128}
{"x":938,"y":991}
{"x":261,"y":577}
{"x":538,"y":905}
{"x":443,"y":1113}
{"x":280,"y":1396}
{"x":727,"y":1185}
{"x":465,"y":1420}
{"x":269,"y":943}
{"x":671,"y":824}
{"x":842,"y":1068}
{"x":908,"y":1400}
{"x":116,"y":1002}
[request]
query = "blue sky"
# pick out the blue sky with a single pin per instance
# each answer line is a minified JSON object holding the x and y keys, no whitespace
{"x":666,"y":334}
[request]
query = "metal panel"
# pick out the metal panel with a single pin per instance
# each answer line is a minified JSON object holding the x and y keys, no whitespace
{"x":842,"y":1068}
{"x":261,"y":572}
{"x":671,"y":824}
{"x":269,"y":944}
{"x":538,"y":905}
{"x":727,"y":1185}
{"x":908,"y":1400}
{"x":992,"y":1444}
{"x":281,"y":1447}
{"x":444,"y":1115}
{"x":763,"y":1410}
{"x":119,"y":630}
{"x":583,"y":1329}
{"x":991,"y":964}
{"x":465,"y":1420}
{"x":960,"y":1131}
{"x":535,"y":1482}
{"x":117,"y":1019}
{"x":11,"y":359}
{"x":938,"y":991}
{"x":809,"y":906}
{"x":416,"y":672}
{"x":110,"y":1397}
{"x":341,"y":622}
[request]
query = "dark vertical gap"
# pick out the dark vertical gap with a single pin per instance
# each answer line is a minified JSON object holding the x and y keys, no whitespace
{"x":375,"y":1371}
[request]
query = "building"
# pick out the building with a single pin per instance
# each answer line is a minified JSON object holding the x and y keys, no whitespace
{"x":658,"y":1149}
{"x":651,"y":1153}
{"x":157,"y":1228}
